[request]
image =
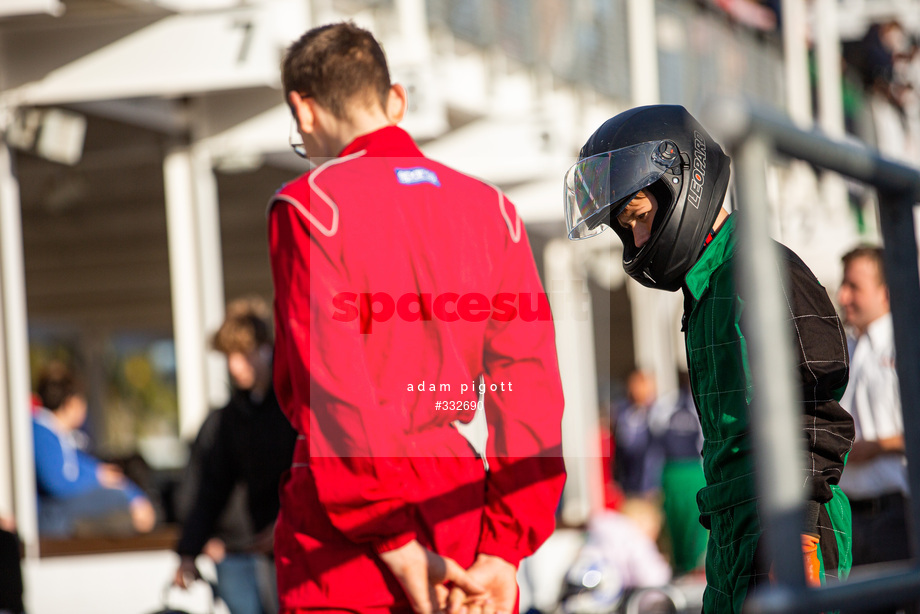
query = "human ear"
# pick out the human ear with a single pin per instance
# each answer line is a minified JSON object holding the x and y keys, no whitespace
{"x":303,"y":112}
{"x":397,"y":103}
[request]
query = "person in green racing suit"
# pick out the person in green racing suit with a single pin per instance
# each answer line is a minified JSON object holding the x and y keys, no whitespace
{"x":656,"y":177}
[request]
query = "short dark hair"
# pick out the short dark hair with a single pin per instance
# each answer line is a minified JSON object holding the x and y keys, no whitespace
{"x":871,"y":252}
{"x":336,"y":64}
{"x":245,"y":328}
{"x":56,"y":384}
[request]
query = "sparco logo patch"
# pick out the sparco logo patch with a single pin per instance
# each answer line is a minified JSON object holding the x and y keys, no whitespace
{"x":698,"y":171}
{"x":419,"y":174}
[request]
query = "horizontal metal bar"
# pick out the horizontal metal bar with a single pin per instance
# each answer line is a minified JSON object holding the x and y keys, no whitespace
{"x":733,"y":120}
{"x":881,"y":586}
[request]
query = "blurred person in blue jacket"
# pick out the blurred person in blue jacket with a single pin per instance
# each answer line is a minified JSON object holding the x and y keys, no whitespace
{"x":78,"y":493}
{"x":638,"y":457}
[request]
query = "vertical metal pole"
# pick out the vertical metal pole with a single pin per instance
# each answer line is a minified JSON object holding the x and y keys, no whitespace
{"x":903,"y":277}
{"x":775,"y":419}
{"x":15,"y":324}
{"x":188,"y":332}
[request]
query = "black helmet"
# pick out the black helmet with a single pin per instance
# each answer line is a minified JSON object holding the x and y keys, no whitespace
{"x":661,"y":149}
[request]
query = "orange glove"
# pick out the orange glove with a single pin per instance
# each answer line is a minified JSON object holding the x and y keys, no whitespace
{"x":812,"y":565}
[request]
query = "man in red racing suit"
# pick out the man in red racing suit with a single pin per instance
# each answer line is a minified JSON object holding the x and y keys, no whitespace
{"x":399,"y":283}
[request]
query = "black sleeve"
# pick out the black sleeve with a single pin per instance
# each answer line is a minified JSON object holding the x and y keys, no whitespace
{"x":271,"y":442}
{"x":822,"y":367}
{"x":216,"y":476}
{"x":187,"y":490}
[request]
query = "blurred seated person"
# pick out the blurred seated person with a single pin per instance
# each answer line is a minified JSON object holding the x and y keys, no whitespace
{"x":77,"y":493}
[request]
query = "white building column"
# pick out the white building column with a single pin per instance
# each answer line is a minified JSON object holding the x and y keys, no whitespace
{"x":196,"y":282}
{"x":795,"y":50}
{"x":643,"y":52}
{"x":413,"y":24}
{"x":656,"y":317}
{"x":830,"y":100}
{"x":827,"y":52}
{"x":185,"y":286}
{"x":7,"y":505}
{"x":18,"y":459}
{"x":211,"y":267}
{"x":566,"y":284}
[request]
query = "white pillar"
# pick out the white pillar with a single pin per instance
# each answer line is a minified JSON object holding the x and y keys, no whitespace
{"x":16,"y":344}
{"x":827,"y":48}
{"x":833,"y":189}
{"x":185,"y":286}
{"x":571,"y":304}
{"x":643,"y":52}
{"x":655,"y":318}
{"x":795,"y":50}
{"x":323,"y":11}
{"x":413,"y":24}
{"x":212,"y":271}
{"x":7,"y":502}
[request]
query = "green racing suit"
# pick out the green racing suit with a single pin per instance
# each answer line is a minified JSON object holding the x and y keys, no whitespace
{"x":723,"y":387}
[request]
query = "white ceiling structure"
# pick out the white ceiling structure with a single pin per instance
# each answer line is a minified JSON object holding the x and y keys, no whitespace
{"x":224,"y":56}
{"x":31,"y":7}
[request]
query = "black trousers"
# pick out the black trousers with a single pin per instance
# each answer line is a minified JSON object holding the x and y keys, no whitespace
{"x":881,"y":534}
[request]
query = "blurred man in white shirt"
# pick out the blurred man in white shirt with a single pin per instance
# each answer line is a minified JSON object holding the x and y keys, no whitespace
{"x":875,"y":479}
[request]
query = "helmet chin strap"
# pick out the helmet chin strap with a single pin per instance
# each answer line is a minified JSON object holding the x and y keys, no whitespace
{"x":709,"y":237}
{"x":715,"y":230}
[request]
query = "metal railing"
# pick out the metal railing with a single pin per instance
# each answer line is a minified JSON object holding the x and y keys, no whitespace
{"x":751,"y":134}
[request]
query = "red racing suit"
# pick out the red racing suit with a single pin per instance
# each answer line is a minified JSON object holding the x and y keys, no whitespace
{"x":398,"y":283}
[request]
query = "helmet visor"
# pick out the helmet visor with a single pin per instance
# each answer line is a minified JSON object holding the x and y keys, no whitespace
{"x":599,"y":187}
